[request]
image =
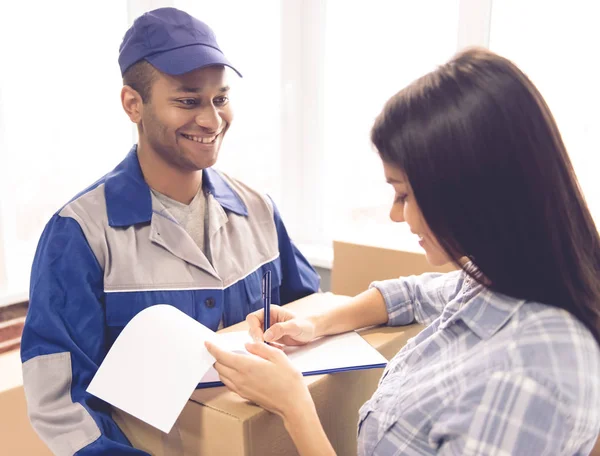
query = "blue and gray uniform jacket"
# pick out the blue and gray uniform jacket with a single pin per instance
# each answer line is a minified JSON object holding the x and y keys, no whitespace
{"x":111,"y":252}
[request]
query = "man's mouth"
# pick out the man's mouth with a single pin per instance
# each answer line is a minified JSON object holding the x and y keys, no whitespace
{"x":201,"y":139}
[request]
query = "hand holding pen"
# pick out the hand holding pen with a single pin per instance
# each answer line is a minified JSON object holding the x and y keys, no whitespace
{"x":287,"y":328}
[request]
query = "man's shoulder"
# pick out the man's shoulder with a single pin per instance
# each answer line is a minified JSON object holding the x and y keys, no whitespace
{"x":90,"y":203}
{"x":247,"y":193}
{"x":85,"y":212}
{"x":91,"y":200}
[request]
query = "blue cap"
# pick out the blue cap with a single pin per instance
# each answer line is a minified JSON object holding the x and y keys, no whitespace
{"x":172,"y":41}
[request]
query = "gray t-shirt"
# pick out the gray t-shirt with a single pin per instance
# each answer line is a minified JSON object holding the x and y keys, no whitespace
{"x":191,"y":216}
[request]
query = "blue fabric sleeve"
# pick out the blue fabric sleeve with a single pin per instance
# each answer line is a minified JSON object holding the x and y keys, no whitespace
{"x":64,"y":342}
{"x":299,"y":279}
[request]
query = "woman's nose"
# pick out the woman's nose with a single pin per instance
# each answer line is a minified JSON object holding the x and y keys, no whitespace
{"x":397,"y":214}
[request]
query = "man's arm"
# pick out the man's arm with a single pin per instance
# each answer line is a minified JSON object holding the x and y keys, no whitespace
{"x":63,"y":344}
{"x":299,"y":279}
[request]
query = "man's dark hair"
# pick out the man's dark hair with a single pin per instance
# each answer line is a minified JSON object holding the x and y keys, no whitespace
{"x":140,"y":76}
{"x":494,"y":182}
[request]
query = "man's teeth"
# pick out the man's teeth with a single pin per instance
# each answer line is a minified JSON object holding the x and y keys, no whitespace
{"x":202,"y":140}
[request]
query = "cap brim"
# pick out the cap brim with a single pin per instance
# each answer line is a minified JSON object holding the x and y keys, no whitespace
{"x":185,"y":59}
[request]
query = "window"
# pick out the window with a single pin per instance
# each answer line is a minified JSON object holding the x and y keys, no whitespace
{"x":554,"y":43}
{"x":316,"y":73}
{"x":373,"y":49}
{"x":61,"y":121}
{"x":62,"y":125}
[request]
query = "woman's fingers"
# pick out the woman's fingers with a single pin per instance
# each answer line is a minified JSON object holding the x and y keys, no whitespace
{"x":297,"y":331}
{"x":230,"y":384}
{"x":224,"y":357}
{"x":224,"y":371}
{"x":265,"y":351}
{"x":256,"y":320}
{"x":278,"y":346}
{"x":255,"y":325}
{"x":279,"y":330}
{"x":265,"y":376}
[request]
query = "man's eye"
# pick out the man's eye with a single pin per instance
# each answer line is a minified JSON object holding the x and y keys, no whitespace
{"x":188,"y":101}
{"x":221,"y":101}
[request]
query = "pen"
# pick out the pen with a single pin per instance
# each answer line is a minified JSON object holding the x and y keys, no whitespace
{"x":266,"y":295}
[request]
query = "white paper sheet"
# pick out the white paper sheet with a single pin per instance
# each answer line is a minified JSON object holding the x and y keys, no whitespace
{"x":334,"y":353}
{"x":346,"y":351}
{"x":154,"y":365}
{"x":159,"y":358}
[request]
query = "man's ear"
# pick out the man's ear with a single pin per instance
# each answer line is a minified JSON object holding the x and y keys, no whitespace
{"x":132,"y":103}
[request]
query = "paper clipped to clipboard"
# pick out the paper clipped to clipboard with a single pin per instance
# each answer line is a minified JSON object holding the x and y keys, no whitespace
{"x":159,"y":359}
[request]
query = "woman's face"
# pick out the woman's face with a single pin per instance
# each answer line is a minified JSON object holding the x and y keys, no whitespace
{"x":406,"y":209}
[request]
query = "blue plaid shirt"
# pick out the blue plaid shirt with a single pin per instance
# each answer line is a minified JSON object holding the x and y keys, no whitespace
{"x":490,"y":375}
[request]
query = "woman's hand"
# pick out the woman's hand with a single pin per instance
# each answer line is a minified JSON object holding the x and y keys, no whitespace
{"x":267,"y":379}
{"x":286,"y":328}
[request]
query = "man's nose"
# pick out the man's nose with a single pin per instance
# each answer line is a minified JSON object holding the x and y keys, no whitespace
{"x":209,"y":119}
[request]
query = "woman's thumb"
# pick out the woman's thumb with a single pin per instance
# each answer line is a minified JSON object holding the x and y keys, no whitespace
{"x":263,"y":350}
{"x":278,"y":330}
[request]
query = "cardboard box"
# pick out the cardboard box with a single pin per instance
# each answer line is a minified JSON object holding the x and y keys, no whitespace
{"x":17,"y":437}
{"x":216,"y":421}
{"x":356,"y":265}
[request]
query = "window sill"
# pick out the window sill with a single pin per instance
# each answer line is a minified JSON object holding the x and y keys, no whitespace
{"x":318,"y":255}
{"x":8,"y":299}
{"x":10,"y":366}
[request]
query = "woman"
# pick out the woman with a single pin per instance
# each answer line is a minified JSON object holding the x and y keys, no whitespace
{"x":510,"y":360}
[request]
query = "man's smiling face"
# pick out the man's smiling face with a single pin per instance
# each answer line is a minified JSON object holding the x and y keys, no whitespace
{"x":186,"y":117}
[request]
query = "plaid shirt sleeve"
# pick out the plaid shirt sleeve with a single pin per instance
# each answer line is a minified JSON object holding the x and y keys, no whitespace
{"x":418,"y":298}
{"x":504,"y":414}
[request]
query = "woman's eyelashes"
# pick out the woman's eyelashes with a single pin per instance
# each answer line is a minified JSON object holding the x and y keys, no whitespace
{"x":401,"y":198}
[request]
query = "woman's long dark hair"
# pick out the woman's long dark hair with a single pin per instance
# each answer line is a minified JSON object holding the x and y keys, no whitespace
{"x":494,"y":182}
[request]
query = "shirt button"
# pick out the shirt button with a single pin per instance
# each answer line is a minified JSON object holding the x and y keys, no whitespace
{"x":209,"y":302}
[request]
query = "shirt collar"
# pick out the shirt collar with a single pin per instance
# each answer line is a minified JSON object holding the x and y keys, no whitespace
{"x":485,"y":311}
{"x":129,"y":200}
{"x":214,"y":183}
